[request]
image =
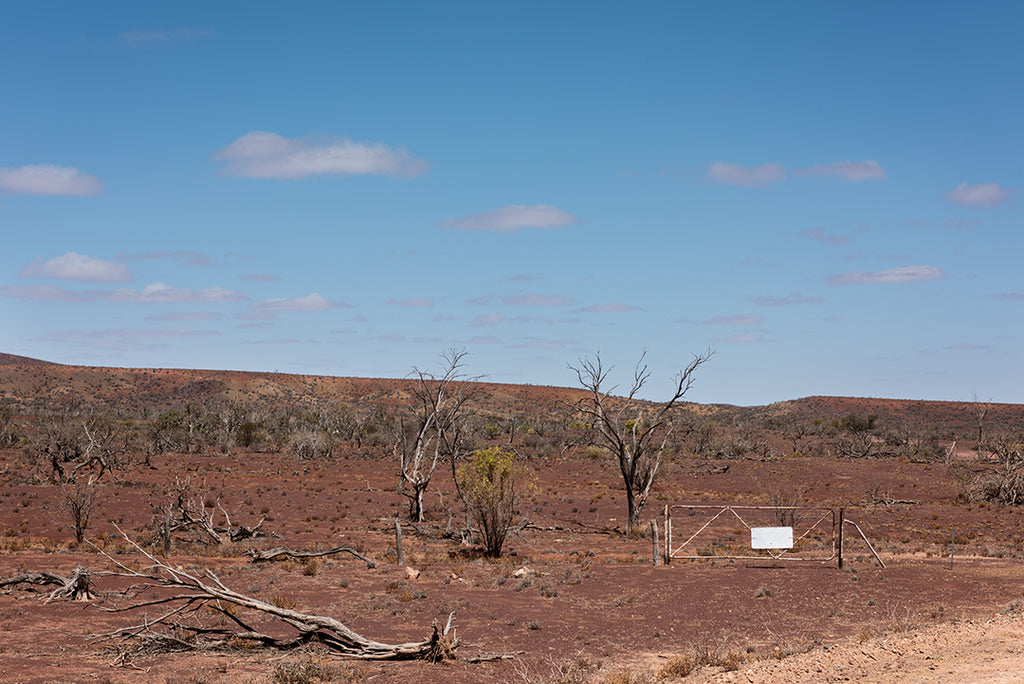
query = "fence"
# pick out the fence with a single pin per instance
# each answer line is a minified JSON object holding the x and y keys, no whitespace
{"x":779,"y":533}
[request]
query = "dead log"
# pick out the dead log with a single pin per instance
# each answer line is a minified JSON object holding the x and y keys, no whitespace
{"x":281,"y":553}
{"x":180,"y":627}
{"x":78,"y":587}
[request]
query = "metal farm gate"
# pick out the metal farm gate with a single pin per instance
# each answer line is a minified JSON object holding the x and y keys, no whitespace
{"x":779,"y":533}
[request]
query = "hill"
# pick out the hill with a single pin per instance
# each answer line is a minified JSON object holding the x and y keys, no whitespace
{"x":30,"y":385}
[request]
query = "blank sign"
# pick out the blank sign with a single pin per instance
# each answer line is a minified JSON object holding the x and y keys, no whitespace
{"x":771,"y":537}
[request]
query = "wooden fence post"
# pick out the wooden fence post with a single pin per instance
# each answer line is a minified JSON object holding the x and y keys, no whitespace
{"x":656,"y":552}
{"x":398,"y":543}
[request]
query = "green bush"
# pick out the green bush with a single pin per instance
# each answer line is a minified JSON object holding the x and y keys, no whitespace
{"x":489,"y":482}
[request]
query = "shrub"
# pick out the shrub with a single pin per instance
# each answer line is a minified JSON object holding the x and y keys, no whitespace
{"x":489,"y":482}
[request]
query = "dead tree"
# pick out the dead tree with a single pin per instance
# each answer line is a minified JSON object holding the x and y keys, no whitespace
{"x":437,"y":430}
{"x":79,"y":500}
{"x":192,"y":596}
{"x":189,"y":510}
{"x":635,"y":431}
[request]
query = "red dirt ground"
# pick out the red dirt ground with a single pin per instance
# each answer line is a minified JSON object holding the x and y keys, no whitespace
{"x":588,"y":604}
{"x":592,"y":599}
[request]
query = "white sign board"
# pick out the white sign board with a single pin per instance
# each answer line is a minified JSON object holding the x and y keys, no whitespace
{"x":771,"y":537}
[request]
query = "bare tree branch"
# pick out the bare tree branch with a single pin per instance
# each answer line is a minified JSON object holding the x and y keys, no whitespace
{"x":196,"y":591}
{"x":628,"y":426}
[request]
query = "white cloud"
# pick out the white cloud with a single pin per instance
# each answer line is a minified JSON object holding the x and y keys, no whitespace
{"x":849,"y":171}
{"x":750,"y":176}
{"x":513,"y":217}
{"x":984,"y":196}
{"x":75,"y":266}
{"x":161,"y":293}
{"x":904,"y":274}
{"x":266,"y":155}
{"x":311,"y":302}
{"x":613,"y":307}
{"x":736,"y":319}
{"x":137,"y":38}
{"x":45,"y":179}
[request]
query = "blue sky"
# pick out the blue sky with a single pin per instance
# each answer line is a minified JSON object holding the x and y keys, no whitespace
{"x":825,"y":194}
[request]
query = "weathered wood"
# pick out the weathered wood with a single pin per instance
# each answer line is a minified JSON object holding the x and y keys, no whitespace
{"x":78,"y":587}
{"x":400,"y":552}
{"x":195,"y":593}
{"x":655,"y":555}
{"x":281,"y":553}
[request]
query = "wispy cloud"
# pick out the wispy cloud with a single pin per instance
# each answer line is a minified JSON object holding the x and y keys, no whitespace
{"x":186,"y":317}
{"x":1011,"y":296}
{"x":529,"y":299}
{"x":161,"y":293}
{"x":793,"y":298}
{"x":984,"y":196}
{"x":968,"y":346}
{"x":310,"y":303}
{"x":961,"y":224}
{"x":852,"y":172}
{"x":412,"y":302}
{"x":137,"y":38}
{"x":735,"y":319}
{"x":534,"y":299}
{"x":492,"y":318}
{"x":81,"y":267}
{"x":612,"y":307}
{"x":749,"y":176}
{"x":45,"y":179}
{"x":48,"y":293}
{"x":132,"y":339}
{"x":261,"y":278}
{"x":485,"y":339}
{"x":759,"y":261}
{"x":818,"y":235}
{"x":540,"y":343}
{"x":905,"y":274}
{"x":266,"y":155}
{"x":745,"y":338}
{"x":187,"y":257}
{"x":512,"y":218}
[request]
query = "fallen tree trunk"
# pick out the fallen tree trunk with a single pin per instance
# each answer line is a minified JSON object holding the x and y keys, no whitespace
{"x":281,"y":553}
{"x":194,"y":595}
{"x":78,"y":587}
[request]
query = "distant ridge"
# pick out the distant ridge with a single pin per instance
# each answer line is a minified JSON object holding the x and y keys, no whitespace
{"x":15,"y":360}
{"x":32,"y":384}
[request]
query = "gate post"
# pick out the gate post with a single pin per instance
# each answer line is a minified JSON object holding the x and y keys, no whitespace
{"x":842,"y":524}
{"x":668,"y":536}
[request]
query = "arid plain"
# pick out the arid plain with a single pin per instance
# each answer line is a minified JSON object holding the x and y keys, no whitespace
{"x":309,"y":464}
